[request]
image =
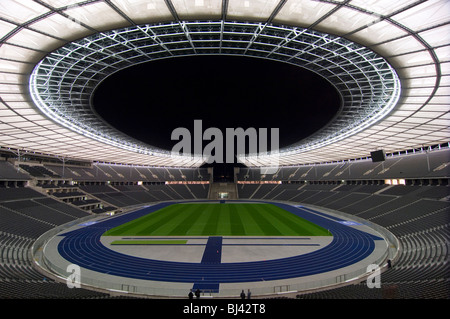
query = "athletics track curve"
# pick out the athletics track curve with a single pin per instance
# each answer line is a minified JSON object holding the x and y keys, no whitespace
{"x":84,"y":248}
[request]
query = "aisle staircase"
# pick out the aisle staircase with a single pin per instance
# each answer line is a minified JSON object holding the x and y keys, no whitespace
{"x":216,"y":189}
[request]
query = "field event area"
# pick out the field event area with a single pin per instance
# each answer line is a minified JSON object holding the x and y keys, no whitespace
{"x":219,"y":219}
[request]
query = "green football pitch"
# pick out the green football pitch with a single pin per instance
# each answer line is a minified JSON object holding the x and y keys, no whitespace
{"x":219,"y":219}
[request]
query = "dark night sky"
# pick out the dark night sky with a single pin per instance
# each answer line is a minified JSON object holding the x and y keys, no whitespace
{"x":150,"y":100}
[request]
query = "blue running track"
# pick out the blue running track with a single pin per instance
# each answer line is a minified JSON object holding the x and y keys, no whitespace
{"x":83,"y":247}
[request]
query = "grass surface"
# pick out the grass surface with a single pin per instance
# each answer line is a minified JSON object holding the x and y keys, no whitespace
{"x":149,"y":242}
{"x":214,"y":219}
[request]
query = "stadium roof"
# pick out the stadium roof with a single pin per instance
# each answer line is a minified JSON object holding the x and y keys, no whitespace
{"x":388,"y":59}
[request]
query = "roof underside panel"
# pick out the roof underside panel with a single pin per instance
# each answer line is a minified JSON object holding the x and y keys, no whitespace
{"x":412,"y":36}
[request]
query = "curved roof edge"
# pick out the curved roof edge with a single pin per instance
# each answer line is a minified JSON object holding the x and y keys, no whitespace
{"x":411,"y":36}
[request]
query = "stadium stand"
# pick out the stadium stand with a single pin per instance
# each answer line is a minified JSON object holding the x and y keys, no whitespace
{"x":36,"y":198}
{"x":416,"y":212}
{"x":25,"y":215}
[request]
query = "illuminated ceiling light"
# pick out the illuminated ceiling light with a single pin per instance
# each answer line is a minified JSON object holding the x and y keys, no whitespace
{"x":368,"y":85}
{"x":199,"y":3}
{"x":411,"y":36}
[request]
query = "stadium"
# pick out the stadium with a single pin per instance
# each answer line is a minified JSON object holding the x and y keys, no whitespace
{"x":355,"y":208}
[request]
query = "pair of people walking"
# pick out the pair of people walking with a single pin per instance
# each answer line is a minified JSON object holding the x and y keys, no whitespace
{"x":248,"y":294}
